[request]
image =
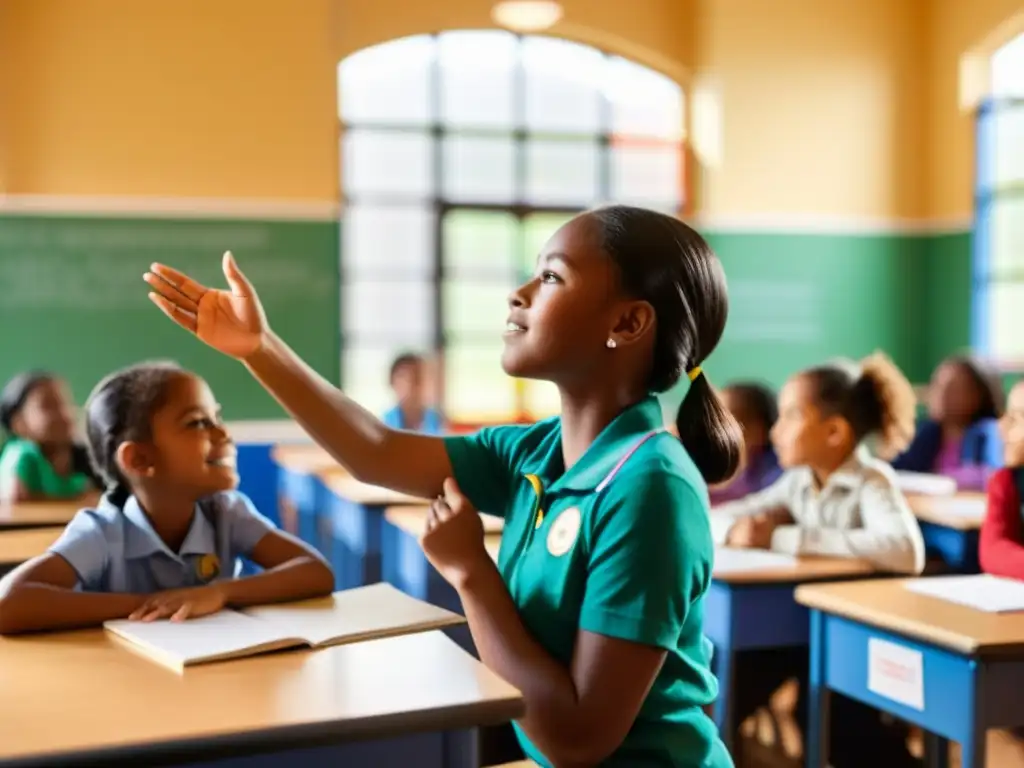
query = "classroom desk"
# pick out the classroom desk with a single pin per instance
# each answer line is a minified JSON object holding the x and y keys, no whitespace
{"x":81,"y":699}
{"x":20,"y":545}
{"x":298,"y":488}
{"x":350,"y":525}
{"x":746,"y":610}
{"x":951,"y":527}
{"x":961,"y":670}
{"x":40,"y":514}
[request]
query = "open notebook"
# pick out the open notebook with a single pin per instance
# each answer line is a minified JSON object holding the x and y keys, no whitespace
{"x":350,"y":616}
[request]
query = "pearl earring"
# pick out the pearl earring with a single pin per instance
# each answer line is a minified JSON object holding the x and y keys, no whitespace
{"x":611,"y":344}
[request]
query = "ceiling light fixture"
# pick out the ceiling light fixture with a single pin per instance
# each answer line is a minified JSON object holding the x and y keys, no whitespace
{"x":526,"y":15}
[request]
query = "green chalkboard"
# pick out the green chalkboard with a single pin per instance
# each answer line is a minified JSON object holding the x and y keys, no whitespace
{"x":72,"y":297}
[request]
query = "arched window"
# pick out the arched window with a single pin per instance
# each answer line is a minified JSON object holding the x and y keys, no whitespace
{"x":999,"y":219}
{"x":462,"y":152}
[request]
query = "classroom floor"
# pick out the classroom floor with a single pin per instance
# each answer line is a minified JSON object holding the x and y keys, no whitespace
{"x":772,"y":740}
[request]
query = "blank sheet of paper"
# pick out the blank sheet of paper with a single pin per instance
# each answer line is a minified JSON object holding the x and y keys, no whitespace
{"x":981,"y":592}
{"x":925,"y":484}
{"x":743,"y":560}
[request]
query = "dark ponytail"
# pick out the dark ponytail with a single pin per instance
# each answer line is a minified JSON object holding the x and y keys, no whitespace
{"x":119,"y":410}
{"x":668,"y":264}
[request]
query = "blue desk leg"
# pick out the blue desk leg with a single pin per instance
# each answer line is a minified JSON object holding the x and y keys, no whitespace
{"x":816,"y":745}
{"x":972,"y":748}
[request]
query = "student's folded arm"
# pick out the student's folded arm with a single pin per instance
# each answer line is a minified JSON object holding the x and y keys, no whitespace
{"x":649,"y":558}
{"x":1001,"y":549}
{"x":775,"y":496}
{"x":41,"y":594}
{"x":292,"y":570}
{"x":412,"y":463}
{"x":890,"y":538}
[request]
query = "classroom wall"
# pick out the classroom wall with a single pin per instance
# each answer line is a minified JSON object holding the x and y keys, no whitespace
{"x":835,"y":165}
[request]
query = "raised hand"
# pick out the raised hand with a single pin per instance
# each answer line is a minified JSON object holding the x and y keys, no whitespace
{"x":231,"y":321}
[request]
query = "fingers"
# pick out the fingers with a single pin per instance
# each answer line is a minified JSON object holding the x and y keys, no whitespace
{"x":185,"y":319}
{"x":178,"y":280}
{"x":182,"y":613}
{"x":169,"y":292}
{"x":442,"y":511}
{"x":240,"y":285}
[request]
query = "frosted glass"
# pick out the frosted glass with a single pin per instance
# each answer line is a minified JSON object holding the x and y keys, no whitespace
{"x":1007,"y":319}
{"x":388,"y":83}
{"x":1006,"y":238}
{"x":479,"y":170}
{"x":475,"y":309}
{"x":1008,"y":135}
{"x":388,"y":311}
{"x":643,"y":102}
{"x":476,"y":388}
{"x":562,"y":173}
{"x":385,"y":241}
{"x":477,"y":78}
{"x":481,"y":244}
{"x":387,"y":163}
{"x":647,"y":175}
{"x":1008,"y":69}
{"x":563,"y":85}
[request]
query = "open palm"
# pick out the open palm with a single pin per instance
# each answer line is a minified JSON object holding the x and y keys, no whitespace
{"x":231,"y":321}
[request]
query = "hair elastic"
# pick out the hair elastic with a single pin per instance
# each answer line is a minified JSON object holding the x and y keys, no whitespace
{"x":694,"y":372}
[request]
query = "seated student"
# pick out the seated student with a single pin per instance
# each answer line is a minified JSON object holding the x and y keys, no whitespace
{"x":41,"y":459}
{"x":166,"y":539}
{"x":408,"y":381}
{"x":753,"y":406}
{"x":963,"y":398}
{"x":833,"y":499}
{"x":1002,"y":533}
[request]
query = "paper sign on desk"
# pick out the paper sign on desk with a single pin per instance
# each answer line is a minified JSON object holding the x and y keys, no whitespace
{"x":742,"y":560}
{"x":896,"y":672}
{"x":981,"y":592}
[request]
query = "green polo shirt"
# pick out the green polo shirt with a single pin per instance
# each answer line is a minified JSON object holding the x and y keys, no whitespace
{"x":629,"y":558}
{"x":24,"y":461}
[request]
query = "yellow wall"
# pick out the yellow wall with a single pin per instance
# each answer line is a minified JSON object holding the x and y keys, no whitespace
{"x":229,"y":98}
{"x":957,"y":27}
{"x":838,"y":109}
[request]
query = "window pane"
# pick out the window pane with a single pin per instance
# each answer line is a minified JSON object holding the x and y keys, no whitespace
{"x":481,"y":244}
{"x":387,"y":163}
{"x":477,"y":75}
{"x":385,"y":241}
{"x":387,"y":83}
{"x":537,"y":230}
{"x":1007,"y":238}
{"x":1008,"y":69}
{"x":1008,"y":135}
{"x":562,"y":85}
{"x":562,"y":172}
{"x":1007,"y":319}
{"x":476,"y":388}
{"x":388,"y":311}
{"x":365,"y":371}
{"x":476,"y":310}
{"x":480,"y":170}
{"x":647,"y":175}
{"x":643,"y":102}
{"x":541,"y":399}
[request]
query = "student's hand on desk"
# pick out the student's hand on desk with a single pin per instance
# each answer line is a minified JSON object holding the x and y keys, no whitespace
{"x":454,"y":541}
{"x":754,"y":532}
{"x":181,"y":604}
{"x":232,"y":321}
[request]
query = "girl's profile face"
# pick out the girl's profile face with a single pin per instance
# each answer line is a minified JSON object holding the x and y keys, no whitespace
{"x":802,"y":436}
{"x":47,"y":415}
{"x":563,"y":313}
{"x":192,"y":449}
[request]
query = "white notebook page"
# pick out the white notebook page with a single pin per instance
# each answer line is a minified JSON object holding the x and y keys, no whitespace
{"x":981,"y":592}
{"x":219,"y":633}
{"x":729,"y":560}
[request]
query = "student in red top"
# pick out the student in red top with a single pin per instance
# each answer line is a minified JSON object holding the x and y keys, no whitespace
{"x":1002,"y":533}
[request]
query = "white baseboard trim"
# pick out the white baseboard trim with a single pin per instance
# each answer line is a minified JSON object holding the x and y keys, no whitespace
{"x":172,"y":207}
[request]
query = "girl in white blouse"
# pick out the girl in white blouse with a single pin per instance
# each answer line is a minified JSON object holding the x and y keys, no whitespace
{"x":833,"y":499}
